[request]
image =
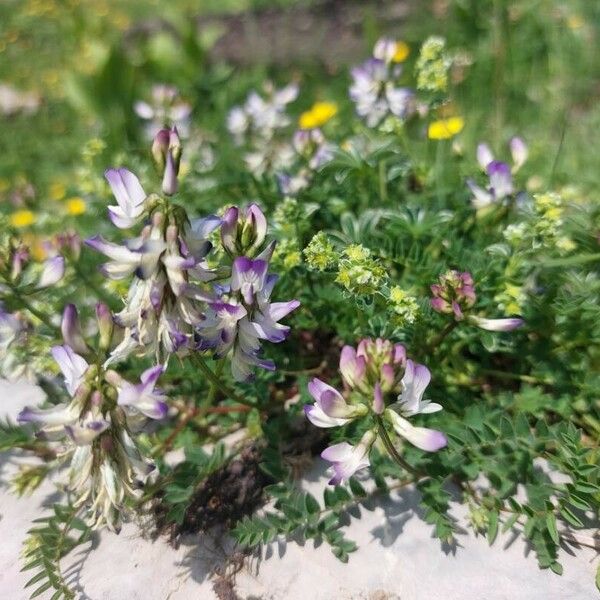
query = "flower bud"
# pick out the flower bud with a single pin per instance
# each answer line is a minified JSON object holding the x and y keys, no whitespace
{"x":166,"y":150}
{"x":71,"y":330}
{"x":105,"y":325}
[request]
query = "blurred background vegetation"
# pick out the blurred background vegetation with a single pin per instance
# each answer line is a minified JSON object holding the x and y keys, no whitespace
{"x":524,"y":66}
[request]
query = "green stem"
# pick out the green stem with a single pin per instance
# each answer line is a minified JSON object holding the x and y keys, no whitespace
{"x":217,"y":382}
{"x":101,"y":293}
{"x":382,"y":181}
{"x":389,"y":446}
{"x":439,"y":338}
{"x":34,"y":311}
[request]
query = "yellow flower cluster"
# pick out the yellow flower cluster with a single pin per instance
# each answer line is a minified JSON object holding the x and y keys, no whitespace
{"x":318,"y":115}
{"x":404,"y":306}
{"x":320,"y":253}
{"x":358,"y":272}
{"x":444,"y":129}
{"x":433,"y":65}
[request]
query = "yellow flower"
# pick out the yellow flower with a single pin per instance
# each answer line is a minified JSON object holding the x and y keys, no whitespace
{"x":402,"y":52}
{"x":75,"y":206}
{"x":575,"y":22}
{"x":318,"y":115}
{"x":4,"y":185}
{"x":444,"y":129}
{"x":37,"y":247}
{"x":57,"y":190}
{"x":22,"y":218}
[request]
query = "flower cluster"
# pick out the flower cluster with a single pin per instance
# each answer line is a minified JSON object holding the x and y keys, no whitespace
{"x":380,"y":385}
{"x":167,"y":261}
{"x":311,"y":152}
{"x":320,"y":253}
{"x":375,"y":90}
{"x":500,"y":184}
{"x":256,"y":124}
{"x":242,"y":314}
{"x":166,"y":108}
{"x":94,"y":429}
{"x":454,"y":294}
{"x":358,"y":271}
{"x":433,"y":65}
{"x":403,"y":305}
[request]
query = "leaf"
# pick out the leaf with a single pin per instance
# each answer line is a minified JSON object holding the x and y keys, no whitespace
{"x":551,"y":524}
{"x":492,"y":526}
{"x":510,"y":522}
{"x":312,"y":506}
{"x":556,"y":567}
{"x":570,"y":517}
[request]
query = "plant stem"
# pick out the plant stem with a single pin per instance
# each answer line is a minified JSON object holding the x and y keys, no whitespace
{"x":216,"y":380}
{"x":389,"y":446}
{"x":439,"y":338}
{"x":34,"y":311}
{"x":101,"y":293}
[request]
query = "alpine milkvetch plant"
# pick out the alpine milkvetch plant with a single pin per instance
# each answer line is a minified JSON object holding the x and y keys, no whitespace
{"x":454,"y":294}
{"x":500,"y":174}
{"x":167,"y":261}
{"x":384,"y":388}
{"x":93,"y":432}
{"x":312,"y":151}
{"x":375,"y":88}
{"x":256,"y":126}
{"x":242,"y":314}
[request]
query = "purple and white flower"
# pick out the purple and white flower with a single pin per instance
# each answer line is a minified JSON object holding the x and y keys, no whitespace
{"x":375,"y":90}
{"x":500,"y":175}
{"x":346,"y":459}
{"x":72,"y":365}
{"x":130,"y":197}
{"x":330,"y":409}
{"x":52,"y":272}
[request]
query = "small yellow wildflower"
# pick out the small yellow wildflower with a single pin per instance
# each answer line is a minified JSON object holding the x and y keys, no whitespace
{"x":57,"y":190}
{"x":36,"y":246}
{"x":75,"y":206}
{"x":4,"y":185}
{"x":402,"y":52}
{"x":22,"y":218}
{"x":575,"y":22}
{"x":318,"y":115}
{"x":445,"y":129}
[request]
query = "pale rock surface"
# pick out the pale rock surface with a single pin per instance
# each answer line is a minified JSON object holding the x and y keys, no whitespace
{"x":397,"y":558}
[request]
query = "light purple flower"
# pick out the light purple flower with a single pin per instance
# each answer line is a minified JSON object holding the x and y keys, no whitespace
{"x":352,"y":367}
{"x":248,"y":277}
{"x":130,"y":197}
{"x":72,"y":365}
{"x":86,"y":430}
{"x":330,"y":409}
{"x":143,"y":396}
{"x":496,"y":324}
{"x":519,"y":152}
{"x":347,"y":459}
{"x":426,"y":439}
{"x":414,"y":382}
{"x":52,"y":272}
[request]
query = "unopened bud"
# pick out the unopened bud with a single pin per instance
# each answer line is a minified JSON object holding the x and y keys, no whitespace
{"x":71,"y":330}
{"x":105,"y":325}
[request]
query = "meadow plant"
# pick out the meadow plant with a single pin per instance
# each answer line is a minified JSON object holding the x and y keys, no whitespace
{"x":440,"y":276}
